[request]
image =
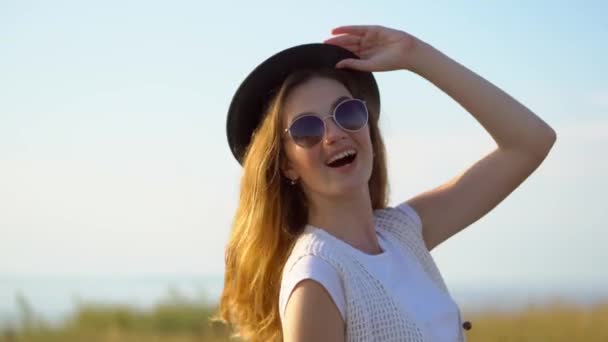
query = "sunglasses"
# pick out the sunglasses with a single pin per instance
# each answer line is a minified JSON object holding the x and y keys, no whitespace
{"x":308,"y":129}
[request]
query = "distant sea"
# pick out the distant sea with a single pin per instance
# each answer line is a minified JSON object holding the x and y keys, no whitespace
{"x":54,"y":297}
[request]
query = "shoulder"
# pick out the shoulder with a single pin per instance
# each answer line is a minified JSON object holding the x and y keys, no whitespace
{"x":311,"y":267}
{"x":396,"y":218}
{"x":311,"y":315}
{"x":311,"y":301}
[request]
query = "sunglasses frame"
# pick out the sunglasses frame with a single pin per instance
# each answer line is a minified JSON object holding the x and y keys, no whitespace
{"x":332,"y":115}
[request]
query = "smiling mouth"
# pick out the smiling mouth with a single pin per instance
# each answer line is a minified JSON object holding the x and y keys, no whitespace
{"x":343,"y":161}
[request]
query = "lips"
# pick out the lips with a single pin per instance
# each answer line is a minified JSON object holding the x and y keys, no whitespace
{"x":348,"y":152}
{"x":343,"y":161}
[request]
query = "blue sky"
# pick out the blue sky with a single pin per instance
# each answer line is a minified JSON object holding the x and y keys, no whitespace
{"x":114,"y":160}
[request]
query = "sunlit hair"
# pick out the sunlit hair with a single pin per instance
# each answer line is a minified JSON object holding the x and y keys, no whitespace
{"x":271,"y":214}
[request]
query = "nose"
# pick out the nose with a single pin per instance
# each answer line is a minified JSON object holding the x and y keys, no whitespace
{"x":333,"y":132}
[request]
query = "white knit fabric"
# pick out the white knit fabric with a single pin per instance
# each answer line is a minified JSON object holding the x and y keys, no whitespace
{"x":400,"y":274}
{"x":371,"y":312}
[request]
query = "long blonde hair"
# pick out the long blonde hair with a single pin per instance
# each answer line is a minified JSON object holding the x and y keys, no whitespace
{"x":270,"y":216}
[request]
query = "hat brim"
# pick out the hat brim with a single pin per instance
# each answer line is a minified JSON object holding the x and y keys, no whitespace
{"x":248,"y":103}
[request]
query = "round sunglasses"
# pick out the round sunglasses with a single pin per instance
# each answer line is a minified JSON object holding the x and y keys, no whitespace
{"x":308,"y":129}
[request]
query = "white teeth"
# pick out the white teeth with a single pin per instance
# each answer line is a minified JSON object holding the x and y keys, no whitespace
{"x":341,"y":155}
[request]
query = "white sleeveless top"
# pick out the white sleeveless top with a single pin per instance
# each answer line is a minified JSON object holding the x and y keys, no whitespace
{"x":396,"y":268}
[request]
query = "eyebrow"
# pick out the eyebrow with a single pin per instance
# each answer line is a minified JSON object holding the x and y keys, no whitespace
{"x":333,"y":106}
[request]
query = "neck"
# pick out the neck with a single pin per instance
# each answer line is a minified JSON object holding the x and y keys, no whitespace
{"x":348,"y":217}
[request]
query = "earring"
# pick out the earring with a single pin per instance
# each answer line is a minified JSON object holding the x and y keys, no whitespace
{"x":292,"y":181}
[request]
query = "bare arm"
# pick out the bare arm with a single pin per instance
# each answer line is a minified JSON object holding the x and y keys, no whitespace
{"x":311,"y":315}
{"x":523,"y":140}
{"x":511,"y":124}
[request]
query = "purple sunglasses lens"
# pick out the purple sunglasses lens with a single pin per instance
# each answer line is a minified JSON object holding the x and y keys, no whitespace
{"x":307,"y":130}
{"x":351,"y":115}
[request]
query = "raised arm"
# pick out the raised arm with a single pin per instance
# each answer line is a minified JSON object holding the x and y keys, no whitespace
{"x":523,"y":139}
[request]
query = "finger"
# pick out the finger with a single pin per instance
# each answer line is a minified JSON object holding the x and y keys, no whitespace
{"x":356,"y":64}
{"x":358,"y":30}
{"x":346,"y":39}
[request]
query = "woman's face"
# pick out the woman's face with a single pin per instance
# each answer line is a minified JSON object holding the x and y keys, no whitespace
{"x":310,"y":165}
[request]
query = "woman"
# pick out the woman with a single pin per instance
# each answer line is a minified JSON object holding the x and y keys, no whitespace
{"x":315,"y":253}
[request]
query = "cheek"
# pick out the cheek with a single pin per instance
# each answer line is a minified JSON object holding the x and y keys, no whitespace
{"x":304,"y":161}
{"x":364,"y":139}
{"x":309,"y":162}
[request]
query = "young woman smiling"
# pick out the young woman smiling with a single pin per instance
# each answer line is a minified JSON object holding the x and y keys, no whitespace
{"x":316,"y":253}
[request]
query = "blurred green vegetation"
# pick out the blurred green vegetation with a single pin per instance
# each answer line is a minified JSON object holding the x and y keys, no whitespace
{"x":180,"y":319}
{"x":175,"y":318}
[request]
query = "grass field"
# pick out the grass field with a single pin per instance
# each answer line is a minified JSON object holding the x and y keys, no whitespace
{"x":179,"y":320}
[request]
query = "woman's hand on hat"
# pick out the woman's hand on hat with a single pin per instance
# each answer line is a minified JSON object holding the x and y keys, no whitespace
{"x":380,"y":48}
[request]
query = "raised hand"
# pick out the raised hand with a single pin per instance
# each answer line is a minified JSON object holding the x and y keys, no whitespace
{"x":380,"y":48}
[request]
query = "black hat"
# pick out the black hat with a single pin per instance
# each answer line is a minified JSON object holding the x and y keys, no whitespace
{"x":249,"y":101}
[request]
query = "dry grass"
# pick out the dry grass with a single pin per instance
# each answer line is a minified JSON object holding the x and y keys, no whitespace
{"x":180,"y":321}
{"x":558,"y":321}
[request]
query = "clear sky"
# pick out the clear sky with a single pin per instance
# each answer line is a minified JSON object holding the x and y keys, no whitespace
{"x":114,"y":159}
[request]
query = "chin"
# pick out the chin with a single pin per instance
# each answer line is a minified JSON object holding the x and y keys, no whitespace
{"x":349,"y":183}
{"x":348,"y":187}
